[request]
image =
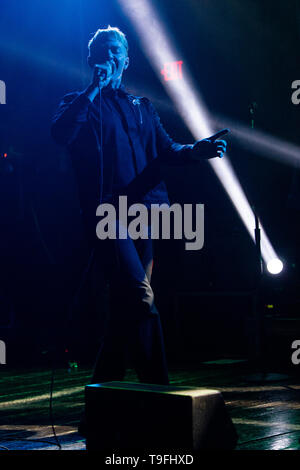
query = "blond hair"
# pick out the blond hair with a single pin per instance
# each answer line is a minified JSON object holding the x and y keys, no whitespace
{"x":102,"y":33}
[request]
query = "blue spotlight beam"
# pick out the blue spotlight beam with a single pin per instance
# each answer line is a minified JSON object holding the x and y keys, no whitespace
{"x":263,"y":143}
{"x":190,"y":106}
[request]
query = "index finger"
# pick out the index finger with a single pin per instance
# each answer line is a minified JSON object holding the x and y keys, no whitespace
{"x":218,"y":134}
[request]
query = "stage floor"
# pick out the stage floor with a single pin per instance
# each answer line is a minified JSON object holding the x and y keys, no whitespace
{"x":265,"y":409}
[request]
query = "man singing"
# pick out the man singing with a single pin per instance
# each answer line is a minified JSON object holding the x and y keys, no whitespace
{"x":117,"y":145}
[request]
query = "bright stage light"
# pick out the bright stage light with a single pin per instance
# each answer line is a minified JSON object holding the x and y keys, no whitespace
{"x":275,"y":266}
{"x":190,"y":106}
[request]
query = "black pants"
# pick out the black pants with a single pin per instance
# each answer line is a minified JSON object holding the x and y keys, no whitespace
{"x":134,"y":334}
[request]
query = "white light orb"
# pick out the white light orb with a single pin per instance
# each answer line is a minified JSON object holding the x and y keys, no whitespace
{"x":275,"y":266}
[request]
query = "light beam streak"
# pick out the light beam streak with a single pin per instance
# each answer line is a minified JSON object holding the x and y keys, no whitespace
{"x":191,"y":107}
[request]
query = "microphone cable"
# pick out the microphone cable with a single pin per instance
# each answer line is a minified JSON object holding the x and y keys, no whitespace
{"x":91,"y":259}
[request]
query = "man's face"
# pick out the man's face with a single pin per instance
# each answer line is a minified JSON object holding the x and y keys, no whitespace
{"x":111,"y":49}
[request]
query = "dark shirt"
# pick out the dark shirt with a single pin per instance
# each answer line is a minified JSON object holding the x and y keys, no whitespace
{"x":116,"y":148}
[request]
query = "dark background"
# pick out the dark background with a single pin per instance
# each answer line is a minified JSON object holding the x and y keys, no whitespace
{"x":238,"y":53}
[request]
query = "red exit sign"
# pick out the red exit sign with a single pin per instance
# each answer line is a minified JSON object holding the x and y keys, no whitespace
{"x":172,"y":70}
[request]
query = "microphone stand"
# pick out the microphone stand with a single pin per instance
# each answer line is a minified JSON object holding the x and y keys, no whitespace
{"x":258,"y":320}
{"x":259,"y":324}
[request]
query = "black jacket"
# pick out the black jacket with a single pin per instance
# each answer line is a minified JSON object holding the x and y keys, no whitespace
{"x":119,"y":153}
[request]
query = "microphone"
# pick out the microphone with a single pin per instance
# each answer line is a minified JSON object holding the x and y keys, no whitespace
{"x":252,"y":107}
{"x":105,"y":70}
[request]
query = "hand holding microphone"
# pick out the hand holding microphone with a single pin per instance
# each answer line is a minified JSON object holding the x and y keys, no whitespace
{"x":102,"y":74}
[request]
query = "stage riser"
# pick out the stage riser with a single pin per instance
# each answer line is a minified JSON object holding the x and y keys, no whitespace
{"x":140,"y":416}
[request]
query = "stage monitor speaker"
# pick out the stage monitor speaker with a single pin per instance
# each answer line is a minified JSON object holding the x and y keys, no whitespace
{"x":123,"y":415}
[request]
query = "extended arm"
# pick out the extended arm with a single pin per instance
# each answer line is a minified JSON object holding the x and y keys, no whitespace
{"x":173,"y":152}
